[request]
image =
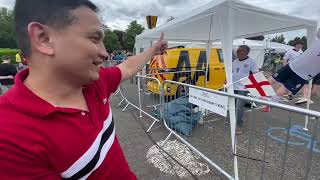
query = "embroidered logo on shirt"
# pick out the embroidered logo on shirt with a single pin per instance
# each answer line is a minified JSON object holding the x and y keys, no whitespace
{"x":246,"y":65}
{"x":276,"y":75}
{"x":105,"y":100}
{"x":298,"y":86}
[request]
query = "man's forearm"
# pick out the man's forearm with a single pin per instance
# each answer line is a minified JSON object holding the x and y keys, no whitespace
{"x":135,"y":63}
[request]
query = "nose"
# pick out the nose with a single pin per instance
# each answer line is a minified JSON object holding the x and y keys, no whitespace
{"x":103,"y":52}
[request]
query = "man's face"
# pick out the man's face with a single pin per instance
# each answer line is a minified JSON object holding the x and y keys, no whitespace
{"x":299,"y":46}
{"x":242,"y":53}
{"x":79,"y":48}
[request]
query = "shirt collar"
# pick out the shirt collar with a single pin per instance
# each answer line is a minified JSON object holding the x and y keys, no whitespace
{"x":24,"y":100}
{"x":244,"y":58}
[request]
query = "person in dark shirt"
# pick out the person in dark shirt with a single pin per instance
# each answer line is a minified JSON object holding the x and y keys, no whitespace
{"x":7,"y":73}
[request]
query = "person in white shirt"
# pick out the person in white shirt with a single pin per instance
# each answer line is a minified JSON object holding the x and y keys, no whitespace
{"x":292,"y":54}
{"x":242,"y":67}
{"x":314,"y":88}
{"x":297,"y":73}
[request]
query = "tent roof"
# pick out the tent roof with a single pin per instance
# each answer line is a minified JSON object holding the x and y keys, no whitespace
{"x":247,"y":20}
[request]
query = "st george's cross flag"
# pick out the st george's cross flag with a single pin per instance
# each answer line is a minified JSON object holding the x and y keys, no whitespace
{"x":258,"y":85}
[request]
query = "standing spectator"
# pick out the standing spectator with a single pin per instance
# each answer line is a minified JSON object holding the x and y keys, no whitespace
{"x":292,"y":54}
{"x":7,"y":73}
{"x":119,"y":56}
{"x":18,"y":57}
{"x":242,"y":67}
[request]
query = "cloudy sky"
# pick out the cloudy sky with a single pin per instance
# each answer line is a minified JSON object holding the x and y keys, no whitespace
{"x":118,"y":13}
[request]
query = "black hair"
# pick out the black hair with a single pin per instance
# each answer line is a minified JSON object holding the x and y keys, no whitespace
{"x":298,"y":42}
{"x":53,"y":13}
{"x":6,"y":57}
{"x":247,"y":48}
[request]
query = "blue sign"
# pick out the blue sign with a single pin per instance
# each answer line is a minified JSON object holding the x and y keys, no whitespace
{"x":302,"y":138}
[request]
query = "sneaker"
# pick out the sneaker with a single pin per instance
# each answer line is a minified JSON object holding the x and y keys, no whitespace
{"x":238,"y":131}
{"x":303,"y":100}
{"x":290,"y":97}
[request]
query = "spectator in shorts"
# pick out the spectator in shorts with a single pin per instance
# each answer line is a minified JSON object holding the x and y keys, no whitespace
{"x":291,"y":55}
{"x":242,"y":67}
{"x":7,"y":73}
{"x":296,"y":74}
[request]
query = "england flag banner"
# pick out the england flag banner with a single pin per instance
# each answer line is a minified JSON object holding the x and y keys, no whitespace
{"x":258,"y":85}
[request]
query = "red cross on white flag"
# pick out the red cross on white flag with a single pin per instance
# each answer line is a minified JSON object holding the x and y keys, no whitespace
{"x":258,"y":85}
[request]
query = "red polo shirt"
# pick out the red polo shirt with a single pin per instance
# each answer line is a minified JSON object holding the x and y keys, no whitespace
{"x":40,"y":141}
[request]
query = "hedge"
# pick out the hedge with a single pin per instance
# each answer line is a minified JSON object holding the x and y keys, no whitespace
{"x":10,"y":52}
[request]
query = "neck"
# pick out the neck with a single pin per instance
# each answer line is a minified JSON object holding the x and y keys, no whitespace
{"x":57,"y":91}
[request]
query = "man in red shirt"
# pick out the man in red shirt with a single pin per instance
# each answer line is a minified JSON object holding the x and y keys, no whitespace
{"x":56,"y":122}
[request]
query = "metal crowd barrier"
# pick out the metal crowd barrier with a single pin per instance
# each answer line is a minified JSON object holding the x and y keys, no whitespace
{"x":194,"y":77}
{"x":146,"y":100}
{"x":273,"y":145}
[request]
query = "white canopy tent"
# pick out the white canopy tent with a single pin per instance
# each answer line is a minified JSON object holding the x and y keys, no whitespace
{"x":223,"y":21}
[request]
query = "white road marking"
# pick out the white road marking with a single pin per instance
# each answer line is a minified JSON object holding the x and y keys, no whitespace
{"x":179,"y":152}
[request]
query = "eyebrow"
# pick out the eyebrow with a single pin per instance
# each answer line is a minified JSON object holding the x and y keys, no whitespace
{"x":99,"y":33}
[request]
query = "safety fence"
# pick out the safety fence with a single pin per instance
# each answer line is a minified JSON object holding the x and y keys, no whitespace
{"x":144,"y":96}
{"x":274,"y":144}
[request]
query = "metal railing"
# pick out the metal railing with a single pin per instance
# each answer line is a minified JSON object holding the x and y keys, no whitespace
{"x":147,"y":102}
{"x":273,"y":145}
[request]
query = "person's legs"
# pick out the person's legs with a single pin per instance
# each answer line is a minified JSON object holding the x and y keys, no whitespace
{"x":304,"y":97}
{"x":289,"y":80}
{"x":240,"y":104}
{"x":315,"y":89}
{"x":281,"y":91}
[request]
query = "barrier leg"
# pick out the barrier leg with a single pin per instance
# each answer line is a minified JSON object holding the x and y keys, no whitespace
{"x":139,"y":95}
{"x":151,"y":126}
{"x":126,"y":106}
{"x":308,"y":105}
{"x":166,"y":139}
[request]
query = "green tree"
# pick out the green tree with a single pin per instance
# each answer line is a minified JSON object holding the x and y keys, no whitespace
{"x":279,"y":39}
{"x":296,"y":39}
{"x":120,"y":35}
{"x":132,"y":31}
{"x":7,"y":33}
{"x":111,"y":41}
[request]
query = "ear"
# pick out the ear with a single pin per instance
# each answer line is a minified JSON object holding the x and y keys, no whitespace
{"x":40,"y":38}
